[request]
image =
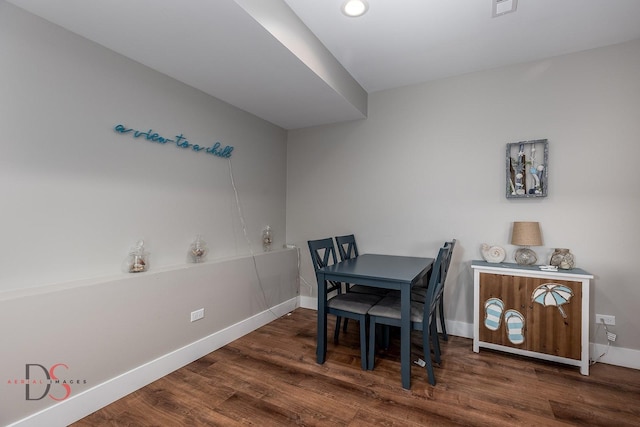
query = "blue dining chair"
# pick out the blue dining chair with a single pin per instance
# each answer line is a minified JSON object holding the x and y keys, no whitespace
{"x":447,"y":263}
{"x":347,"y":249}
{"x":419,"y":293}
{"x":423,"y":316}
{"x":350,"y":305}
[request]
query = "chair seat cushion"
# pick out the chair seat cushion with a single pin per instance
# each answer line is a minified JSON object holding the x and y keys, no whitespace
{"x":361,"y":289}
{"x":390,"y":307}
{"x":356,"y":303}
{"x":418,"y":293}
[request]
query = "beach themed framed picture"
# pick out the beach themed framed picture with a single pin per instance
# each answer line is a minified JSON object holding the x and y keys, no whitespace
{"x":527,"y":169}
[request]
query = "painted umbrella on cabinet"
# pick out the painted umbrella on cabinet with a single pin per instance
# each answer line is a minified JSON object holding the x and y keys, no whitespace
{"x":552,"y":294}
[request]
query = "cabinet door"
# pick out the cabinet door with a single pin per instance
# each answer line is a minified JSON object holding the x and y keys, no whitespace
{"x":555,"y":327}
{"x":499,"y":293}
{"x":551,"y":324}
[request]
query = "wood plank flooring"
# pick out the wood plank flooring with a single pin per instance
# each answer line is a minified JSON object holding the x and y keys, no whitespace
{"x":270,"y":378}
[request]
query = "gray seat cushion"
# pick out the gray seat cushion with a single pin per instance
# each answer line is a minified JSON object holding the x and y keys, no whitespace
{"x":361,"y":289}
{"x":390,"y":307}
{"x":356,"y":303}
{"x":418,"y":293}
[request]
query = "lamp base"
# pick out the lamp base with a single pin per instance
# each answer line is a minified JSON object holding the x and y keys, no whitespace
{"x":525,"y":256}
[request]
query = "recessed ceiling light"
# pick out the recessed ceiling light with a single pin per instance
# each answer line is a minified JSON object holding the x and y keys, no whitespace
{"x":355,"y":8}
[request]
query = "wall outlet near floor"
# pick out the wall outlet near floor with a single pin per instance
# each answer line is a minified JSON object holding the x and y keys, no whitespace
{"x":197,"y":315}
{"x":608,"y":320}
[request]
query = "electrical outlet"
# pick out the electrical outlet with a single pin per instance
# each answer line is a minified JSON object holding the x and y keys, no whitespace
{"x":197,"y":315}
{"x":608,"y":320}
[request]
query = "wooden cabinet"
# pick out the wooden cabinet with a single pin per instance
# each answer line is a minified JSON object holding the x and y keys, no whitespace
{"x":527,"y":311}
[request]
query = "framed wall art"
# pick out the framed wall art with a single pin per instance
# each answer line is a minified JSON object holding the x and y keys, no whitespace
{"x":527,"y":169}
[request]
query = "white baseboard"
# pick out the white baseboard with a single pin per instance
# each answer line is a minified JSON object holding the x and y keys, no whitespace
{"x":617,"y":356}
{"x":89,"y":401}
{"x":459,"y":329}
{"x":308,"y":302}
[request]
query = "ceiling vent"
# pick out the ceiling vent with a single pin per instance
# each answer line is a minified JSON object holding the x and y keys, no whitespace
{"x":502,"y":7}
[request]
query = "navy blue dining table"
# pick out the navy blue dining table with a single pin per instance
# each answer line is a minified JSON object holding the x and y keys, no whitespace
{"x":381,"y":271}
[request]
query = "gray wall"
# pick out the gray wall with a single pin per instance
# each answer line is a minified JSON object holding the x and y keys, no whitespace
{"x":114,"y":335}
{"x":428,"y":165}
{"x":76,"y":196}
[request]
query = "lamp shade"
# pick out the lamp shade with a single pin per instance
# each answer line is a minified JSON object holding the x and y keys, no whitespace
{"x":526,"y":234}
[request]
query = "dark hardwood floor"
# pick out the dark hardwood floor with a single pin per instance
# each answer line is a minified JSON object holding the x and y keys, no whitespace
{"x":270,"y":378}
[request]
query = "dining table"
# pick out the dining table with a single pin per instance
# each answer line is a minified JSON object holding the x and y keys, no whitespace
{"x":394,"y":272}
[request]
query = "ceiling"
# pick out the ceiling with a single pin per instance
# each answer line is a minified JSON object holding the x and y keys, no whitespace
{"x":300,"y":63}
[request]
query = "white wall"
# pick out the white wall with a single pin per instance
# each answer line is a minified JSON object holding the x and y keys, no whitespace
{"x":427,"y":165}
{"x":76,"y":196}
{"x":117,"y":334}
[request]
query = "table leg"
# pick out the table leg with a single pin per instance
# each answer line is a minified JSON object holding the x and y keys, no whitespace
{"x":405,"y":336}
{"x":321,"y":349}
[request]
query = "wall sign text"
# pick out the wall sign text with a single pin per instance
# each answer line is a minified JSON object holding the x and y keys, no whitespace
{"x":180,"y":141}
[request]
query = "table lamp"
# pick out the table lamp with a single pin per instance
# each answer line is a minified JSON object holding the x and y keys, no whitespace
{"x":526,"y":234}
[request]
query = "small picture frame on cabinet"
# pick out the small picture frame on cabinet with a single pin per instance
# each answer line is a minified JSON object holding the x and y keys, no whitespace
{"x":527,"y":169}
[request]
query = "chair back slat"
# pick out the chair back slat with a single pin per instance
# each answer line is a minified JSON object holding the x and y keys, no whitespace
{"x":347,"y":247}
{"x":436,"y":284}
{"x":323,"y":254}
{"x":447,"y":261}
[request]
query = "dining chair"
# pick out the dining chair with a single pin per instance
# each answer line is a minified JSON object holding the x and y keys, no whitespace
{"x":347,"y":249}
{"x":419,"y":293}
{"x":423,"y":316}
{"x":350,"y":305}
{"x":447,"y":263}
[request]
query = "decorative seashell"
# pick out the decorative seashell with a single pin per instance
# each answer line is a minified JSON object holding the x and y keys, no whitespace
{"x":493,"y":254}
